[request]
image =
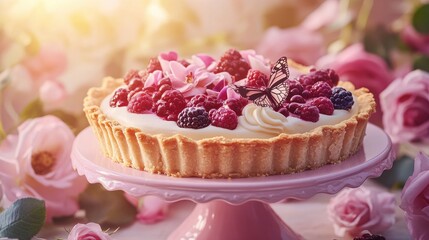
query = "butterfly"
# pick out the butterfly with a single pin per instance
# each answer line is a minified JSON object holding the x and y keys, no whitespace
{"x":275,"y":93}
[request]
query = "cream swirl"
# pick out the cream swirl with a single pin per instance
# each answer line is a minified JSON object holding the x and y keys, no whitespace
{"x":266,"y":120}
{"x":262,"y":119}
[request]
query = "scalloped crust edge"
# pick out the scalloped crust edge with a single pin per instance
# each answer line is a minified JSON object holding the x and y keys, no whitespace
{"x":219,"y":157}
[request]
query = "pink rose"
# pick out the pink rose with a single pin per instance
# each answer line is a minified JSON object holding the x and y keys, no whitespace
{"x":48,"y":64}
{"x":36,"y":163}
{"x":151,"y":209}
{"x":415,"y":199}
{"x":298,"y":43}
{"x":361,"y":68}
{"x":405,"y":105}
{"x":356,"y":210}
{"x":89,"y":231}
{"x":415,"y":40}
{"x":52,"y":94}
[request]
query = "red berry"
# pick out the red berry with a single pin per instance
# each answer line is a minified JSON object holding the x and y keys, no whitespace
{"x":293,"y":107}
{"x":309,"y":113}
{"x":134,"y":74}
{"x":321,"y":89}
{"x":131,"y":74}
{"x":170,"y":105}
{"x":135,"y":83}
{"x":233,"y":63}
{"x":153,"y":65}
{"x":257,"y":79}
{"x":325,"y":75}
{"x":324,"y":105}
{"x":295,"y":88}
{"x":298,"y":99}
{"x":140,"y":103}
{"x":236,"y":105}
{"x":208,"y":102}
{"x":224,"y":118}
{"x":120,"y":98}
{"x":284,"y":111}
{"x":164,"y":81}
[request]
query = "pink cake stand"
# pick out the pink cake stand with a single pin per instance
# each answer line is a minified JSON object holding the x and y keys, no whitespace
{"x":235,"y":208}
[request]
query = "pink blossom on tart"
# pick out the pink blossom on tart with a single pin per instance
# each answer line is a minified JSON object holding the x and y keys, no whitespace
{"x":257,"y":62}
{"x":202,"y":60}
{"x":165,"y":58}
{"x":190,"y":80}
{"x":153,"y":78}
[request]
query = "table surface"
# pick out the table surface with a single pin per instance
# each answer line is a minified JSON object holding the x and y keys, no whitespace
{"x":308,"y":217}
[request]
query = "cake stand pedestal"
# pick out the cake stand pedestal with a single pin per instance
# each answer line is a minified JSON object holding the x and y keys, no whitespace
{"x":235,"y":208}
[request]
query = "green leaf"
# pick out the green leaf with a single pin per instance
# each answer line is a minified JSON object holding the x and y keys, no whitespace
{"x":422,"y":63}
{"x":381,"y":41}
{"x":32,"y":110}
{"x":420,"y":19}
{"x":23,"y":219}
{"x":108,"y":208}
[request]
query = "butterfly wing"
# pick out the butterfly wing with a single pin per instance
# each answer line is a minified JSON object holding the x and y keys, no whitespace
{"x":279,"y":73}
{"x":278,"y":94}
{"x":248,"y":92}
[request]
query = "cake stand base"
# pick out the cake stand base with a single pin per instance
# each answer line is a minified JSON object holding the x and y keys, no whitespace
{"x":220,"y":220}
{"x":235,"y":209}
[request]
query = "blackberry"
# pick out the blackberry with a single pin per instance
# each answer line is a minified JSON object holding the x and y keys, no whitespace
{"x":193,"y":117}
{"x":341,"y":98}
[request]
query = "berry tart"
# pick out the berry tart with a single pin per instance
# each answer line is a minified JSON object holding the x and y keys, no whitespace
{"x":237,"y":116}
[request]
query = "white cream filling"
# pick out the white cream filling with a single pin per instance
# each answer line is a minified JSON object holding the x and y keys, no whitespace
{"x":256,"y":122}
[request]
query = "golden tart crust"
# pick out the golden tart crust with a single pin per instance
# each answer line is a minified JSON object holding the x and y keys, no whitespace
{"x":220,"y":157}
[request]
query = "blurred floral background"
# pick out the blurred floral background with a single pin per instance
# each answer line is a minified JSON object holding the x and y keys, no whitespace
{"x":51,"y":52}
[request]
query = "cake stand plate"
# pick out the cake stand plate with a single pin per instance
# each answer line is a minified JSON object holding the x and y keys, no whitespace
{"x":235,"y":208}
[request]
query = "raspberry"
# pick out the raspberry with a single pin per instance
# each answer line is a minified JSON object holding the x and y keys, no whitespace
{"x":163,"y":86}
{"x":120,"y":98}
{"x":341,"y":98}
{"x":298,"y":99}
{"x":135,"y":83}
{"x":309,"y":113}
{"x":170,"y":105}
{"x":331,"y":75}
{"x":284,"y":111}
{"x":193,"y":117}
{"x":205,"y":101}
{"x":131,"y":74}
{"x":321,"y":89}
{"x":325,"y":75}
{"x":293,"y":107}
{"x":256,"y":78}
{"x":368,"y":236}
{"x":153,"y":65}
{"x":224,"y":118}
{"x":236,"y":105}
{"x":140,"y":103}
{"x":134,"y":74}
{"x":305,"y":111}
{"x":295,"y":88}
{"x":324,"y":105}
{"x":233,"y":63}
